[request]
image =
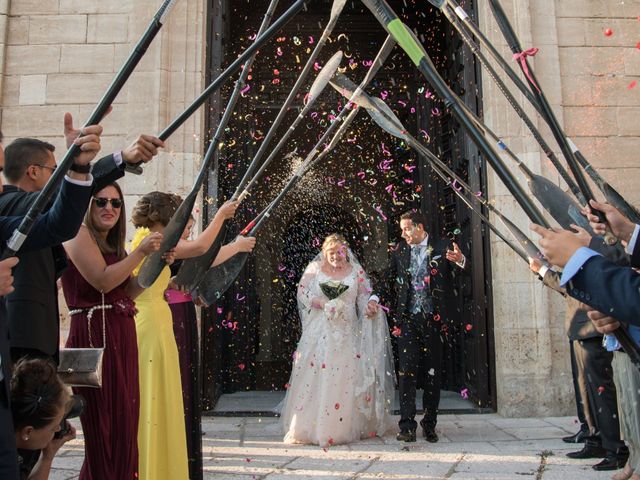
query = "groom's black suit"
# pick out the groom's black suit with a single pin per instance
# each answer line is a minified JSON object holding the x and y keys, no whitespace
{"x":421,"y":337}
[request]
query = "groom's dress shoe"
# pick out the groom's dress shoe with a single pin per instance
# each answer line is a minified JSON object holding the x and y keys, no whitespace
{"x":429,"y":433}
{"x":406,"y":436}
{"x":577,"y":438}
{"x":589,"y":451}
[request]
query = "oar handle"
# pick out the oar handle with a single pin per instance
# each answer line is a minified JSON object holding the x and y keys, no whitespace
{"x":224,"y":76}
{"x":52,"y":185}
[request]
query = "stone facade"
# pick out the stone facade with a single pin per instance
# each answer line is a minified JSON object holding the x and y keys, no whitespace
{"x":59,"y":55}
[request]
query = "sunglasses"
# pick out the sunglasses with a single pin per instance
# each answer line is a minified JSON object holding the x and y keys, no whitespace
{"x":102,"y":202}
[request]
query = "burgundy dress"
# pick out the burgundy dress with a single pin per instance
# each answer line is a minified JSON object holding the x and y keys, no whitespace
{"x":110,"y":418}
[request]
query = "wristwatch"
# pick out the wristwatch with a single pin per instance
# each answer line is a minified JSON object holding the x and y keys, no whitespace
{"x":81,"y":168}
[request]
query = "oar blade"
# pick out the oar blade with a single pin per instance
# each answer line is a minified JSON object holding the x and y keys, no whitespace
{"x":560,"y":206}
{"x":387,"y":121}
{"x":218,"y":279}
{"x":325,"y":75}
{"x":154,"y":263}
{"x":337,"y":7}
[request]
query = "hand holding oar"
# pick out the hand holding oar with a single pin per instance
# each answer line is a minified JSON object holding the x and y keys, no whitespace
{"x":154,"y":263}
{"x":219,"y":278}
{"x":193,"y":270}
{"x":20,"y":234}
{"x":410,"y":44}
{"x":242,"y":190}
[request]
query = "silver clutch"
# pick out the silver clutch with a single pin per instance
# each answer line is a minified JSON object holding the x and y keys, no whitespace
{"x":81,"y":367}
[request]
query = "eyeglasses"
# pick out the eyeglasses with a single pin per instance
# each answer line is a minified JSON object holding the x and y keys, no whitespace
{"x":101,"y":202}
{"x":53,"y":169}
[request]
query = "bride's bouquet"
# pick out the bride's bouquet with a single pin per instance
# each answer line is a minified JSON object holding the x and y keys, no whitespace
{"x":333,"y":289}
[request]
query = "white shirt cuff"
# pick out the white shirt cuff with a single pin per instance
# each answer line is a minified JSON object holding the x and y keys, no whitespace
{"x":117,"y":158}
{"x":462,"y":262}
{"x":374,"y":298}
{"x":83,"y":183}
{"x":634,"y":238}
{"x":543,"y":271}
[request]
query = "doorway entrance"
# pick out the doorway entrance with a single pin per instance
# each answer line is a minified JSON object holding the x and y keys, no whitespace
{"x":359,"y":190}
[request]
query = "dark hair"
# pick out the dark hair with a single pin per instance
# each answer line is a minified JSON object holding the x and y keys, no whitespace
{"x":155,"y":207}
{"x":114,"y":243}
{"x":37,"y":393}
{"x":416,"y":217}
{"x":22,"y":153}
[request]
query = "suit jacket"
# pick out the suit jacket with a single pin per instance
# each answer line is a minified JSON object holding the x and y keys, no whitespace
{"x":577,"y":323}
{"x":59,"y":224}
{"x":397,"y":281}
{"x":635,"y":256}
{"x":609,"y":288}
{"x":32,"y":309}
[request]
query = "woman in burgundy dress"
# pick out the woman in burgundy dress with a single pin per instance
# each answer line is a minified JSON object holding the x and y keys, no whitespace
{"x":99,"y":293}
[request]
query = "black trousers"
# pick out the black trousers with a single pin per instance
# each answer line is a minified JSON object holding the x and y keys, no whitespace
{"x":8,"y":452}
{"x":601,"y":391}
{"x":419,"y":344}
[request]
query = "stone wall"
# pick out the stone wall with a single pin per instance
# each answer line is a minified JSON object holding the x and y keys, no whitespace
{"x":585,"y":75}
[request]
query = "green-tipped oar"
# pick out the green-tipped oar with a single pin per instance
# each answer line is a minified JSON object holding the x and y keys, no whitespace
{"x":154,"y":263}
{"x":193,"y":270}
{"x":410,"y":44}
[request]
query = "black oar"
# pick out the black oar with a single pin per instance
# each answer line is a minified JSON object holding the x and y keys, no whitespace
{"x":154,"y":263}
{"x":193,"y":270}
{"x":224,"y":76}
{"x":382,"y":114}
{"x":219,"y":278}
{"x":547,"y":113}
{"x":453,"y":19}
{"x":21,"y":233}
{"x":406,"y":39}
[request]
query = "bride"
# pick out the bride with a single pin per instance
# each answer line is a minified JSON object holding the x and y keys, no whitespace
{"x":342,"y":380}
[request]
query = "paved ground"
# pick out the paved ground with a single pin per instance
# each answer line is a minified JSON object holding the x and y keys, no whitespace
{"x":486,"y":447}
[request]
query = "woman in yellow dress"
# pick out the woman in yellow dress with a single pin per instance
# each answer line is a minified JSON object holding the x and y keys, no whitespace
{"x":162,"y":442}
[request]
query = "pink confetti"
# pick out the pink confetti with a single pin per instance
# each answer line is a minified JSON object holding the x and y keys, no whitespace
{"x":464,"y":393}
{"x":632,"y":85}
{"x":245,"y":90}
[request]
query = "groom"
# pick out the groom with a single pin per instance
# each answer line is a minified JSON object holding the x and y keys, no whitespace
{"x":418,"y":279}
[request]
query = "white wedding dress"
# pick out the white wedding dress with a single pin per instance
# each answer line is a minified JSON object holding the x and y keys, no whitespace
{"x":342,"y":380}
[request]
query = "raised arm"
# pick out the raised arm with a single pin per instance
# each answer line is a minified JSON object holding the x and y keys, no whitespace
{"x":86,"y":256}
{"x":200,"y":245}
{"x":239,"y":245}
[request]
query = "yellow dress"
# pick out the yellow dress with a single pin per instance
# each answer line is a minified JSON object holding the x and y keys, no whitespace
{"x":162,"y":442}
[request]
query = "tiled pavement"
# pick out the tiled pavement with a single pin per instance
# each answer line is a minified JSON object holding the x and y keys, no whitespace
{"x":487,"y":447}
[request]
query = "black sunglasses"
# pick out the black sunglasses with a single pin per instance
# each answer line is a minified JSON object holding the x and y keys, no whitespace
{"x":102,"y":202}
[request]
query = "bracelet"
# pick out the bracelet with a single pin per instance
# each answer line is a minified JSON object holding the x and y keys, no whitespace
{"x":80,"y":168}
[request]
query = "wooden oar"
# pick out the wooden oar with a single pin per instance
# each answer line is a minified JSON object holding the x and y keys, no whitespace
{"x":21,"y":233}
{"x":153,"y":264}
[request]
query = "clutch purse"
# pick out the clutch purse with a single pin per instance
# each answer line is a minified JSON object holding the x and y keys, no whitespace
{"x":82,"y":367}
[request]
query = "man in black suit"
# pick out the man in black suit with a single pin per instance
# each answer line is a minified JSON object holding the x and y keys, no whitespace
{"x":418,"y":283}
{"x":59,"y":224}
{"x":32,"y":309}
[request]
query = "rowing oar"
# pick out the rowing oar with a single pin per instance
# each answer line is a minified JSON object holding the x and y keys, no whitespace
{"x":547,"y":113}
{"x":560,"y":206}
{"x":382,"y":114}
{"x":193,"y":270}
{"x":410,"y":44}
{"x":224,"y":76}
{"x":21,"y":233}
{"x":219,"y":278}
{"x":154,"y":263}
{"x":453,"y":19}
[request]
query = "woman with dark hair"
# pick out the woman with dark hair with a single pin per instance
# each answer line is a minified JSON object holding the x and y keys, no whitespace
{"x":161,"y":433}
{"x":38,"y":405}
{"x":99,"y":294}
